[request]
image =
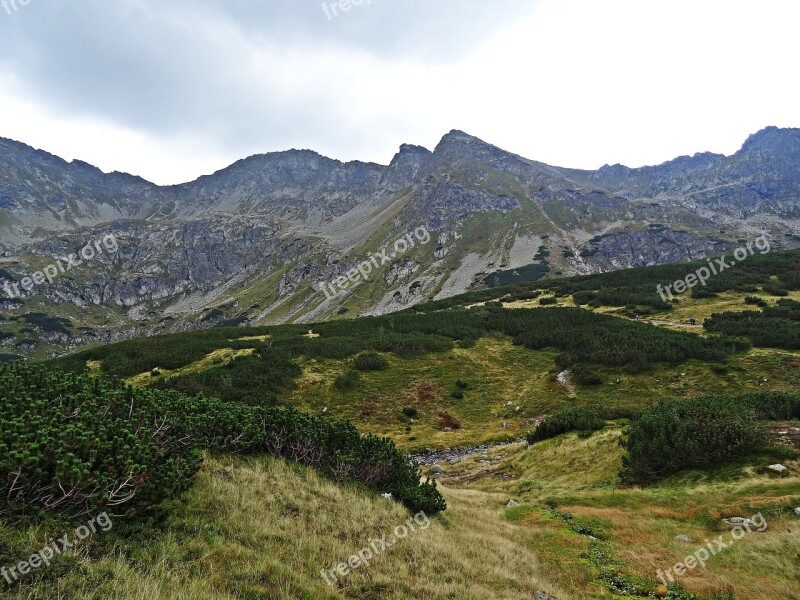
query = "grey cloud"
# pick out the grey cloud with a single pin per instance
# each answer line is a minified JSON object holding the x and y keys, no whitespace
{"x":157,"y":66}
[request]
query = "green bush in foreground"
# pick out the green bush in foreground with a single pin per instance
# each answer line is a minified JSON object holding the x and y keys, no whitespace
{"x":584,"y":420}
{"x":71,"y":445}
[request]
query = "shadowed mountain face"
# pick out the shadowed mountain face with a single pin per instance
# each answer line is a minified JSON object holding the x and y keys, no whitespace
{"x":252,"y":243}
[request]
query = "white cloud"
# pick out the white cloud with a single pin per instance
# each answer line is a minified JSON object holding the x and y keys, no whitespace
{"x":571,"y":82}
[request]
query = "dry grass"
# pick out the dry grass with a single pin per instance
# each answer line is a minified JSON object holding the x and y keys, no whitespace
{"x":263,"y":529}
{"x":580,"y":476}
{"x":217,"y":358}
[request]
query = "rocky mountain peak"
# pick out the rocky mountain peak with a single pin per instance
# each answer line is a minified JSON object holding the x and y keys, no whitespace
{"x":458,"y":141}
{"x":412,"y":150}
{"x":406,"y":164}
{"x":773,"y":139}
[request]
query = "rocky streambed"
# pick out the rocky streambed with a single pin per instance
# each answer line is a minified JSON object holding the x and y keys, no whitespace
{"x":455,"y":455}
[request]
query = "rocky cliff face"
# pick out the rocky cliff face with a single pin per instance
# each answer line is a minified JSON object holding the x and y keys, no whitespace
{"x":254,"y":242}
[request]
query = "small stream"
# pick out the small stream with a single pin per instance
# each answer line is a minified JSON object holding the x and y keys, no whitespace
{"x":432,"y":457}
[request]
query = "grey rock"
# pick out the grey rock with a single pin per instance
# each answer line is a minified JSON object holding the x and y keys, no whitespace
{"x":739,"y":521}
{"x":778,"y":468}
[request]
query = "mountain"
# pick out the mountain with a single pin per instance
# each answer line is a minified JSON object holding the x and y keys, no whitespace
{"x":255,"y":243}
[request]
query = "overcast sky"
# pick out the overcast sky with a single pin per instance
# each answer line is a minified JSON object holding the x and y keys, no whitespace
{"x":173,"y":89}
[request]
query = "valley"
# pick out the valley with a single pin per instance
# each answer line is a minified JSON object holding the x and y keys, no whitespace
{"x":556,"y":517}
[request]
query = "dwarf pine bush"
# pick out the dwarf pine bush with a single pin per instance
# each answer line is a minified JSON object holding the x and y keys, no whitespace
{"x":579,"y":419}
{"x":72,"y":444}
{"x":700,"y":432}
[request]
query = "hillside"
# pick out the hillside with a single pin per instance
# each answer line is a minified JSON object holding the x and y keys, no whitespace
{"x":257,"y":242}
{"x":573,"y":514}
{"x":264,"y":529}
{"x":439,"y":344}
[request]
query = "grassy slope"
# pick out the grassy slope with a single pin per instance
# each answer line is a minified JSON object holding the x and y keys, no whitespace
{"x":498,"y":373}
{"x":262,"y":529}
{"x":580,"y":477}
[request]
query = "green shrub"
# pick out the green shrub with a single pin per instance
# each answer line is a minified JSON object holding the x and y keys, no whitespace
{"x":771,"y":328}
{"x":338,"y":449}
{"x":583,"y":297}
{"x":371,"y":361}
{"x":267,"y":373}
{"x":775,"y":290}
{"x":702,"y":292}
{"x":585,"y":375}
{"x":72,"y":444}
{"x":346,"y":381}
{"x":410,"y":412}
{"x":548,"y":301}
{"x":701,"y":432}
{"x":755,"y":300}
{"x":588,"y":337}
{"x":571,"y":419}
{"x":421,"y":497}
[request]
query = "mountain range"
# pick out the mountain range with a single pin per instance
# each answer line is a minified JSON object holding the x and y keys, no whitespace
{"x":256,"y":242}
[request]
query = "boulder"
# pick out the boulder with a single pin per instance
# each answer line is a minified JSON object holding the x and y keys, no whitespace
{"x":512,"y":504}
{"x":778,"y":468}
{"x":683,"y":538}
{"x":739,"y":521}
